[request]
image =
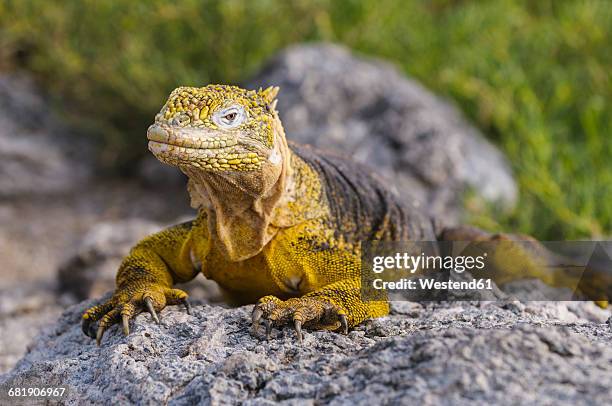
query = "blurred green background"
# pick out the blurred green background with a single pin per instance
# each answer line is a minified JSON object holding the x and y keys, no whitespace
{"x":534,"y":76}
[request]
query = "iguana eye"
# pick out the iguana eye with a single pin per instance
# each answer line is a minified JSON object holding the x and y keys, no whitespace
{"x":230,"y":117}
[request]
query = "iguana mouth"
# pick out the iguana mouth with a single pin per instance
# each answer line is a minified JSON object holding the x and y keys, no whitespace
{"x":196,"y":147}
{"x":189,"y":138}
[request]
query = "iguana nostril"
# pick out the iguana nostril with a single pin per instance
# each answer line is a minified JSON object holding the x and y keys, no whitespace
{"x":181,"y":119}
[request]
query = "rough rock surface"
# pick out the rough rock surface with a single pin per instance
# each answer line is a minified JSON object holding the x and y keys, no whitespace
{"x":24,"y":309}
{"x":366,"y":109}
{"x":35,"y":157}
{"x":446,"y":353}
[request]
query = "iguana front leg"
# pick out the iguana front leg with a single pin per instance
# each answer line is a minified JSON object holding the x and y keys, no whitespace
{"x":336,"y":306}
{"x":144,"y":281}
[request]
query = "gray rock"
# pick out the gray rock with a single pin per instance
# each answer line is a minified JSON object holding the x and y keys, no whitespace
{"x":36,"y":157}
{"x":367,"y":110}
{"x":90,"y":270}
{"x":446,"y":353}
{"x":24,"y":310}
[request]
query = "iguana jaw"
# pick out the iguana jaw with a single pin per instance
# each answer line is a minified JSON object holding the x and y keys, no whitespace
{"x":205,"y":149}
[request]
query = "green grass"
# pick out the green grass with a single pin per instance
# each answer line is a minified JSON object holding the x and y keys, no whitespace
{"x":535,"y":77}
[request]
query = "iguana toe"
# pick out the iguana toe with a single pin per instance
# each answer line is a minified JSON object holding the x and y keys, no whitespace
{"x":92,"y":315}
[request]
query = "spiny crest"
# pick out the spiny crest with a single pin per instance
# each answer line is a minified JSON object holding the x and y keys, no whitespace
{"x":269,"y":94}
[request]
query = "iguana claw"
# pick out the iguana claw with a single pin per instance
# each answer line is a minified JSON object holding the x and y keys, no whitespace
{"x":268,"y":324}
{"x":187,"y":305}
{"x":127,"y":303}
{"x":256,"y":317}
{"x":151,"y":309}
{"x":125,"y":319}
{"x":343,"y":323}
{"x":298,"y":330}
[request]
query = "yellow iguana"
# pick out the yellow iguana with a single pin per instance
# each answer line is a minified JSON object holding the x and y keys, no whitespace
{"x":278,"y":224}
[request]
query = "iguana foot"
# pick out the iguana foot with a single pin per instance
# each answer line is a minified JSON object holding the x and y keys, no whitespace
{"x":310,"y":312}
{"x":128,"y":302}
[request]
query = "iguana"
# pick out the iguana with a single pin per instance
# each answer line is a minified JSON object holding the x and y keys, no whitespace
{"x":278,"y":224}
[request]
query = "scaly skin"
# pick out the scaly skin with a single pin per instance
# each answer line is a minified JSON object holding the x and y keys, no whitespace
{"x":278,"y":224}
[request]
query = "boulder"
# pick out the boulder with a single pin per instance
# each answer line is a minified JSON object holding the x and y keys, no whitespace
{"x":367,"y":110}
{"x":36,"y":156}
{"x":89,"y":270}
{"x":24,"y":310}
{"x":436,"y":353}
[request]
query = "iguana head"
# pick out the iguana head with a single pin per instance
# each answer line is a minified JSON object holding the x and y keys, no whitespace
{"x":217,"y":128}
{"x":230,"y":143}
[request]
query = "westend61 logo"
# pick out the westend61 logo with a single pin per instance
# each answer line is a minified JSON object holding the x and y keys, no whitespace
{"x":486,"y":270}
